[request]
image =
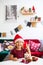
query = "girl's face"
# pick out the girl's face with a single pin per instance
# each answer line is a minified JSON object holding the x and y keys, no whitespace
{"x":19,"y":44}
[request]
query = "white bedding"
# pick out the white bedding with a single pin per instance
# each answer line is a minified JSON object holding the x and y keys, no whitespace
{"x":10,"y":62}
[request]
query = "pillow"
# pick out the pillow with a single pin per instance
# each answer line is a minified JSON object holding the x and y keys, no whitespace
{"x":34,"y":46}
{"x":41,"y":45}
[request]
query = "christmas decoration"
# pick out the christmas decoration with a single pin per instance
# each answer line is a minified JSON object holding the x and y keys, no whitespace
{"x":18,"y":28}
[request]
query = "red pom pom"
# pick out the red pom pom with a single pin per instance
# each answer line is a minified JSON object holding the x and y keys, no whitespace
{"x":23,"y":60}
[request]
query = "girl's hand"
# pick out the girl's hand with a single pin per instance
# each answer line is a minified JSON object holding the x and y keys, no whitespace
{"x":15,"y":59}
{"x":12,"y":58}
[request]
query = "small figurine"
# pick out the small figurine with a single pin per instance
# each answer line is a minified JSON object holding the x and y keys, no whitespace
{"x":29,"y":9}
{"x":28,"y":57}
{"x":22,"y":8}
{"x":33,"y":8}
{"x":36,"y":17}
{"x":39,"y":18}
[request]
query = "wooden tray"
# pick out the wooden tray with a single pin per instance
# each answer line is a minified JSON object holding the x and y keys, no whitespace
{"x":26,"y":13}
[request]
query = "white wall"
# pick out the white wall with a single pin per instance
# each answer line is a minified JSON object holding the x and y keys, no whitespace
{"x":26,"y":32}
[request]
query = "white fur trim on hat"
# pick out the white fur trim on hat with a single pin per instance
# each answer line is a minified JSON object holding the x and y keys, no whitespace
{"x":18,"y":40}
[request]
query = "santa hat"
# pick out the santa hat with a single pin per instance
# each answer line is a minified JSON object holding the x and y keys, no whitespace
{"x":17,"y":38}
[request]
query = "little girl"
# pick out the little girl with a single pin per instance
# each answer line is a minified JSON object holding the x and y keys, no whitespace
{"x":19,"y":51}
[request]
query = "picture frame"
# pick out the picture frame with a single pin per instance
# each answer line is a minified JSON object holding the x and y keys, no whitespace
{"x":10,"y":12}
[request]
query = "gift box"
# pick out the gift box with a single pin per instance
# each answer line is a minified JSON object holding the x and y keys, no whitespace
{"x":33,"y":24}
{"x":3,"y":34}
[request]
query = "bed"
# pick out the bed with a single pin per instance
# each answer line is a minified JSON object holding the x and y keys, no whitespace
{"x":10,"y":62}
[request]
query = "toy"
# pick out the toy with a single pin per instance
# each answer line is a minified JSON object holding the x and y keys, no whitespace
{"x":27,"y":56}
{"x":33,"y":8}
{"x":22,"y":8}
{"x":36,"y":17}
{"x":30,"y":10}
{"x":39,"y":18}
{"x":34,"y":58}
